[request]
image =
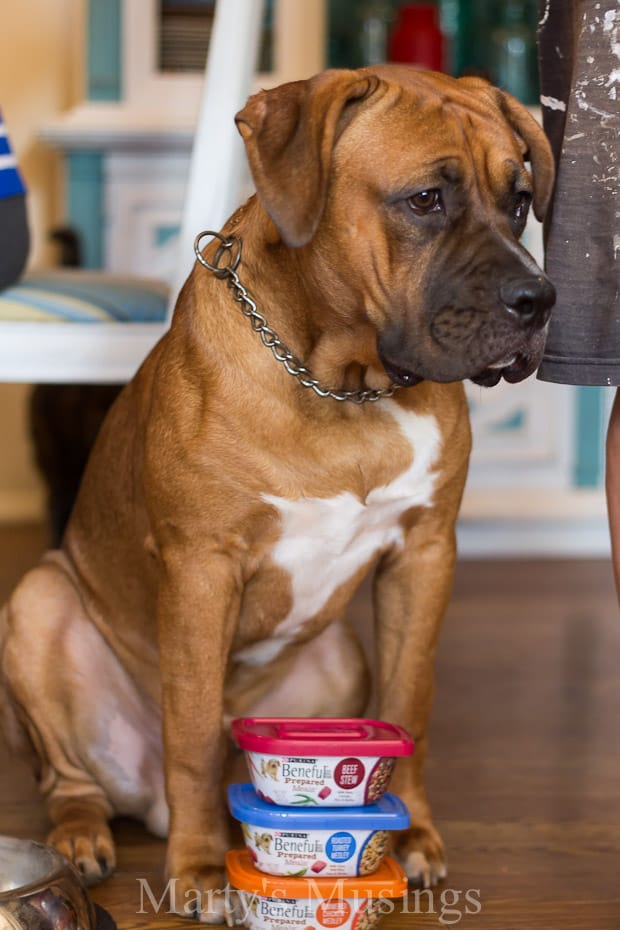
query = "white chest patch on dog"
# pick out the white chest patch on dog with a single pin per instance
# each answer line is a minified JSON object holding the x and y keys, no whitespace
{"x":326,"y":540}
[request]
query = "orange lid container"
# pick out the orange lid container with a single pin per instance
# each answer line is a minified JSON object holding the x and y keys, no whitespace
{"x":389,"y":881}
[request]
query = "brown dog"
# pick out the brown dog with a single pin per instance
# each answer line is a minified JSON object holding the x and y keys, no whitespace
{"x":228,"y":512}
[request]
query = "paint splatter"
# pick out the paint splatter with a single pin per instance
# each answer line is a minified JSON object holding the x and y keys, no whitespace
{"x":552,"y":103}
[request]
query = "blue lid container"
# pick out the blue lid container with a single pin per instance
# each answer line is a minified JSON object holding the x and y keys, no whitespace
{"x":387,"y":814}
{"x":316,"y":841}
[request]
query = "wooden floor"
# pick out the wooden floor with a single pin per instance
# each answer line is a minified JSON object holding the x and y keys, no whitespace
{"x":524,"y":772}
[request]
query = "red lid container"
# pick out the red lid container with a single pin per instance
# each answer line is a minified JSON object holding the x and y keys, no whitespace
{"x":321,"y":736}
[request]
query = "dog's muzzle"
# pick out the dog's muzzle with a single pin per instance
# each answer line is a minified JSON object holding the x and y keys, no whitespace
{"x":501,"y":334}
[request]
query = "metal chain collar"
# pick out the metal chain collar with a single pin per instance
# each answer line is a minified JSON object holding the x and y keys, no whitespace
{"x":231,"y":246}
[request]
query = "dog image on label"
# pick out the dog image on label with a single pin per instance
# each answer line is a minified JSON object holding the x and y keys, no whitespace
{"x":270,"y":767}
{"x":263,"y":841}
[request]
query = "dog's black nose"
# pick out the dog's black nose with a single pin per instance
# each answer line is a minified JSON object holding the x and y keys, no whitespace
{"x":528,"y":299}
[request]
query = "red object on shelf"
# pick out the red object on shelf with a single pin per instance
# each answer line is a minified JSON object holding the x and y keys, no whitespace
{"x":416,"y":38}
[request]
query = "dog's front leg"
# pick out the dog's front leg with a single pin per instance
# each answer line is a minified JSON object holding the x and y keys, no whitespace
{"x":412,"y":589}
{"x":197,"y":613}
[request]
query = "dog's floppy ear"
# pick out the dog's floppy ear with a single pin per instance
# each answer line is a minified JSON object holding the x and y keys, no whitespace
{"x":536,"y":147}
{"x":538,"y":150}
{"x":289,"y":133}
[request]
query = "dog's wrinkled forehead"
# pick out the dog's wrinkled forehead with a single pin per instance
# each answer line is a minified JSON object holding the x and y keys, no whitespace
{"x":412,"y":137}
{"x":290,"y":132}
{"x":438,"y":114}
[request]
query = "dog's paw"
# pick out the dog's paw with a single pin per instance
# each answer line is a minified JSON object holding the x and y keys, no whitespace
{"x":200,"y":893}
{"x":421,"y":853}
{"x":88,"y":845}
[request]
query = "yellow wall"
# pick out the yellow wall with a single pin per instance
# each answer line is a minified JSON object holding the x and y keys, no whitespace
{"x":40,"y":76}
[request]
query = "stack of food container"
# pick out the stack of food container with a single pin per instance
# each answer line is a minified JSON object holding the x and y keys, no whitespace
{"x":316,"y":822}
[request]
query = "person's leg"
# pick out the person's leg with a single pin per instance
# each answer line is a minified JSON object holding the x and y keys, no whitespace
{"x":14,"y":233}
{"x":14,"y":238}
{"x":612,"y":485}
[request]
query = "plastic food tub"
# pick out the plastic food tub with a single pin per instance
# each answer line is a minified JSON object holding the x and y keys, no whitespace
{"x":328,"y":762}
{"x":315,"y":842}
{"x":264,"y":902}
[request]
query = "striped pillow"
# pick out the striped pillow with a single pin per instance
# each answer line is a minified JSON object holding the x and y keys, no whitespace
{"x":78,"y":296}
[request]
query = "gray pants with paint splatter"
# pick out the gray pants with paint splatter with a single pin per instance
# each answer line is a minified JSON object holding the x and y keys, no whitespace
{"x":579,"y":55}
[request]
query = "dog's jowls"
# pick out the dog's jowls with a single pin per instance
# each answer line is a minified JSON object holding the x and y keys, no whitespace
{"x":227,"y":513}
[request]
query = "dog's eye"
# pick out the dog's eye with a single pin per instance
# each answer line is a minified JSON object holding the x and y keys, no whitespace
{"x":522,"y":206}
{"x":426,"y":202}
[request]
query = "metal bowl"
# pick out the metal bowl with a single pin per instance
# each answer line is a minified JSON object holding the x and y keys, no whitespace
{"x":40,"y":889}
